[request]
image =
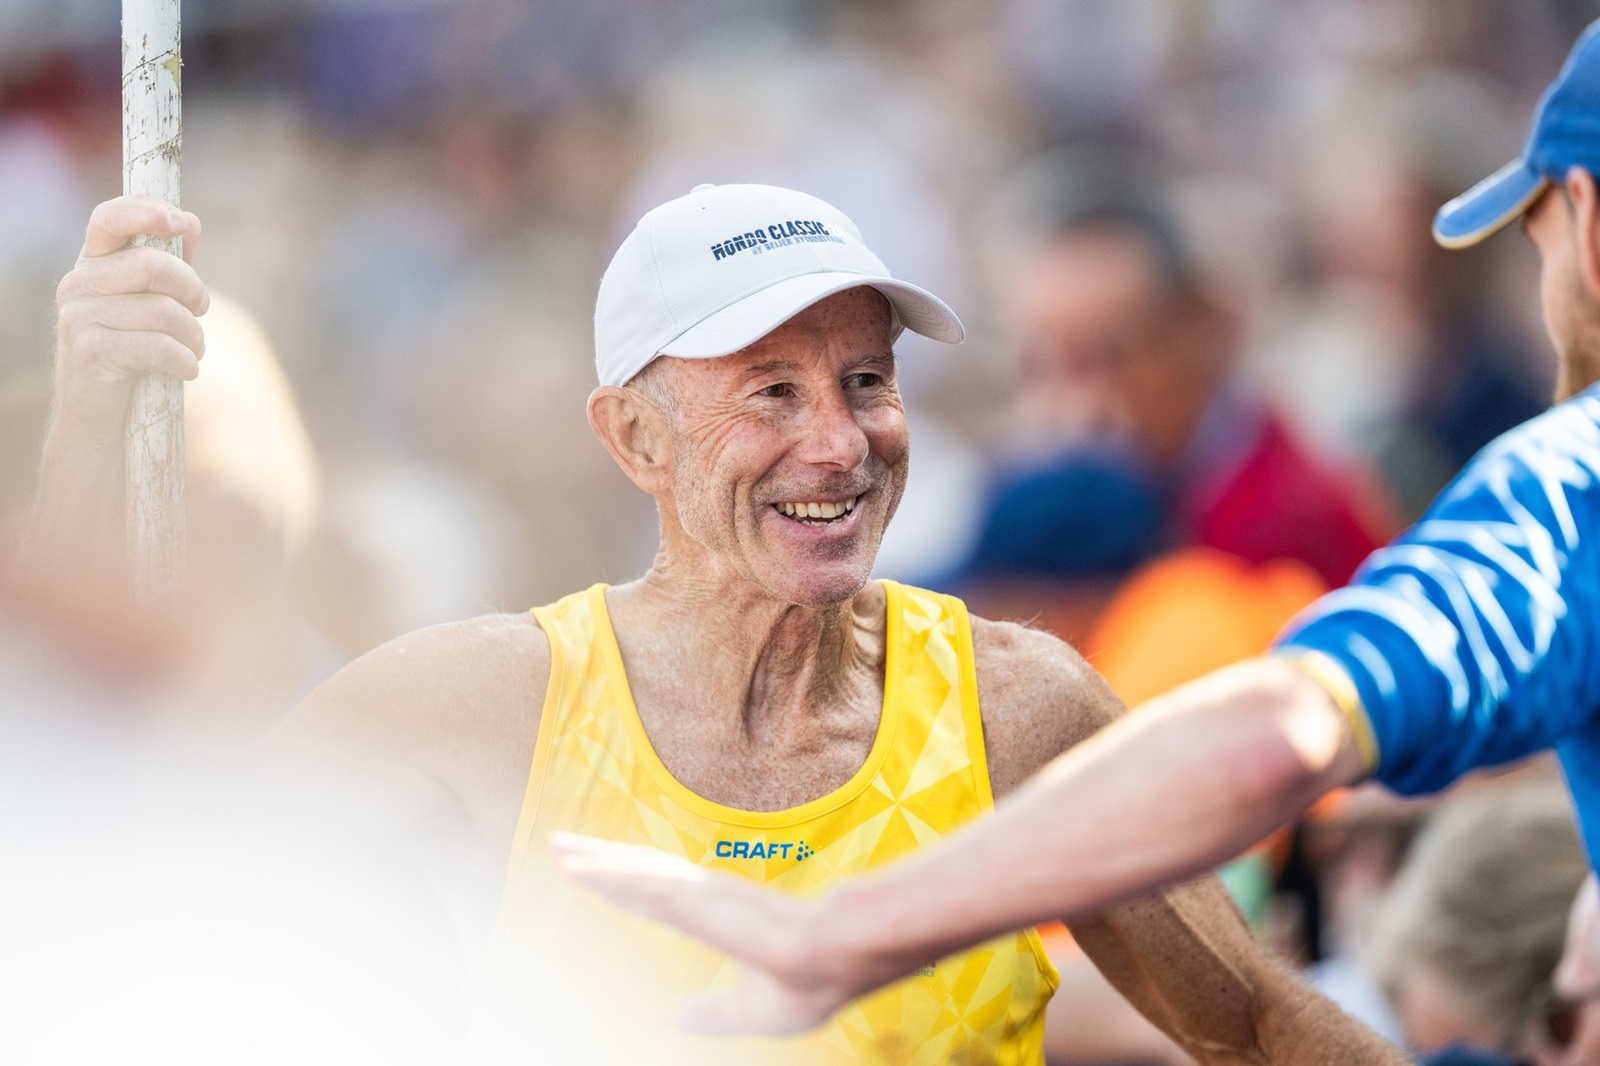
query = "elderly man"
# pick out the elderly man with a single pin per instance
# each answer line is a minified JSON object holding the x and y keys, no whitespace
{"x":752,"y":703}
{"x":1470,"y":641}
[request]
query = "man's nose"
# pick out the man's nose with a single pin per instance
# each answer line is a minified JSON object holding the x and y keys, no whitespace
{"x":833,"y":433}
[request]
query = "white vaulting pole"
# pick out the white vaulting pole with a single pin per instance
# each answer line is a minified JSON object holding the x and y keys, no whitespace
{"x":152,"y":140}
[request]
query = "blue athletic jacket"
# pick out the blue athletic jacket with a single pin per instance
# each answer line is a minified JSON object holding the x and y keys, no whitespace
{"x":1474,"y":638}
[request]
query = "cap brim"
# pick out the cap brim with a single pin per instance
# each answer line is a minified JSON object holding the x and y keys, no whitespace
{"x":1488,"y":206}
{"x":746,"y":321}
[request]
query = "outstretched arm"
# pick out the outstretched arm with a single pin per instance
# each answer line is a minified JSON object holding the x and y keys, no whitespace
{"x":1190,"y":780}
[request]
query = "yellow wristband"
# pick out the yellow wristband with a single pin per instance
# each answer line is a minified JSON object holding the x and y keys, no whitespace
{"x":1328,"y":672}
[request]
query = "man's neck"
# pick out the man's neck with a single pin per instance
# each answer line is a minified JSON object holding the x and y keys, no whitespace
{"x":746,"y":649}
{"x":738,"y":691}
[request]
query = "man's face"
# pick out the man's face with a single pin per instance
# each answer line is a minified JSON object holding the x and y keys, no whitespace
{"x":1105,"y":349}
{"x":791,"y":454}
{"x":1549,"y":225}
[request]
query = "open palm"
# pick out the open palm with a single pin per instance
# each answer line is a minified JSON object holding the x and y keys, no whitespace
{"x":786,"y":985}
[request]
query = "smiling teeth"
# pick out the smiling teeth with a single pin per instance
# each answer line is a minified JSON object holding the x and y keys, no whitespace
{"x":822,"y":511}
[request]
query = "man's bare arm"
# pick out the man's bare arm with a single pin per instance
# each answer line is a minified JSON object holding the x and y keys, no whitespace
{"x":458,"y":702}
{"x":1185,"y":958}
{"x":430,"y":737}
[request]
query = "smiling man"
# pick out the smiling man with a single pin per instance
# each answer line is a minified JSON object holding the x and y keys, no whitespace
{"x":752,"y":703}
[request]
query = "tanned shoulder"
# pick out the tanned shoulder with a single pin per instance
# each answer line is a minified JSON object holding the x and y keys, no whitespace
{"x":1039,"y":697}
{"x":459,"y":702}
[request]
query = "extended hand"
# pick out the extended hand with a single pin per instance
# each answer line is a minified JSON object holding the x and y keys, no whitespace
{"x":124,"y":311}
{"x":790,"y":982}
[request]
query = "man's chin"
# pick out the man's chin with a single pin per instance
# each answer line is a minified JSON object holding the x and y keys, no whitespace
{"x":826,"y":587}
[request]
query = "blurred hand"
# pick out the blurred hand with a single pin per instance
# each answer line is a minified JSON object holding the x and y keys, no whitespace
{"x":788,"y":984}
{"x":124,"y":311}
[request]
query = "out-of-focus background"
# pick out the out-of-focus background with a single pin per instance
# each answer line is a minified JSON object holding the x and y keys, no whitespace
{"x":415,"y":199}
{"x":1213,"y":356}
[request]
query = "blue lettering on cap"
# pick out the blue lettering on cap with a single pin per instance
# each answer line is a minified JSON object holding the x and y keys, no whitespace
{"x":777,"y":235}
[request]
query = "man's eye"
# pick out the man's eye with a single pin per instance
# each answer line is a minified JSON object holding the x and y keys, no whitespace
{"x":864,"y":381}
{"x":774,"y":391}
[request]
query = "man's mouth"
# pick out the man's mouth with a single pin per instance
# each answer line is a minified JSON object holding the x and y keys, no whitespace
{"x":820,"y":513}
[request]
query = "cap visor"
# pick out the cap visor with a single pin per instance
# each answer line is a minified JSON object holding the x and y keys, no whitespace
{"x":746,"y":321}
{"x":1488,"y":206}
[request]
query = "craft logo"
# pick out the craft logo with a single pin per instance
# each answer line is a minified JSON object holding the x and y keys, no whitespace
{"x":777,"y":235}
{"x":756,"y":849}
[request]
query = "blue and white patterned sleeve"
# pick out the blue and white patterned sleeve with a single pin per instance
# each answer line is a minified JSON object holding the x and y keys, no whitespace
{"x":1471,"y":640}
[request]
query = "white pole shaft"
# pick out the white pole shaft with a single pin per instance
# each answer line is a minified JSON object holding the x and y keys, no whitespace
{"x":152,"y":140}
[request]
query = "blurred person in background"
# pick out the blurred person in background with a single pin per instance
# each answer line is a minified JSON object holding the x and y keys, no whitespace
{"x":850,"y":694}
{"x":1130,"y":431}
{"x":241,"y":640}
{"x":169,"y":896}
{"x":1473,"y":926}
{"x":1393,"y":351}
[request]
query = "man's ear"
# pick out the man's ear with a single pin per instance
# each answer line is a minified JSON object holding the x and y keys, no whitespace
{"x":635,"y":432}
{"x":1585,"y":200}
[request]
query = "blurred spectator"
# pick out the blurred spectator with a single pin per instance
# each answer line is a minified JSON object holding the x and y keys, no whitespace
{"x":1128,"y":384}
{"x":1399,"y":352}
{"x":403,"y":546}
{"x":169,"y":895}
{"x":1191,"y":612}
{"x":1348,"y":850}
{"x":1473,"y":926}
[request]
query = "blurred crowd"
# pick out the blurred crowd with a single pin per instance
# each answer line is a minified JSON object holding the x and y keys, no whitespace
{"x":1214,"y":356}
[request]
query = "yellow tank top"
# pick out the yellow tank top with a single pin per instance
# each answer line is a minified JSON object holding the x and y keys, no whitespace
{"x":568,"y":979}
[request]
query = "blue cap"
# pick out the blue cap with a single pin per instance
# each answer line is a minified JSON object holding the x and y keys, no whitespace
{"x":1565,"y":134}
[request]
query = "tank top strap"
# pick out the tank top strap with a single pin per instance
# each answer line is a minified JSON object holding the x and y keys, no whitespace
{"x":933,"y":695}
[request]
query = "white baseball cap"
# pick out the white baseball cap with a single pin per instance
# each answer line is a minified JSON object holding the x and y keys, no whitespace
{"x":714,"y":271}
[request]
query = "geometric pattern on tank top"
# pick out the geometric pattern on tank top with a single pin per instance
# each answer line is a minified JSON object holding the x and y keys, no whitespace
{"x":569,"y":979}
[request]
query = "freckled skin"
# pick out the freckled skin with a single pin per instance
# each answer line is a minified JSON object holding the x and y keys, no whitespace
{"x":810,"y":412}
{"x":773,"y":698}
